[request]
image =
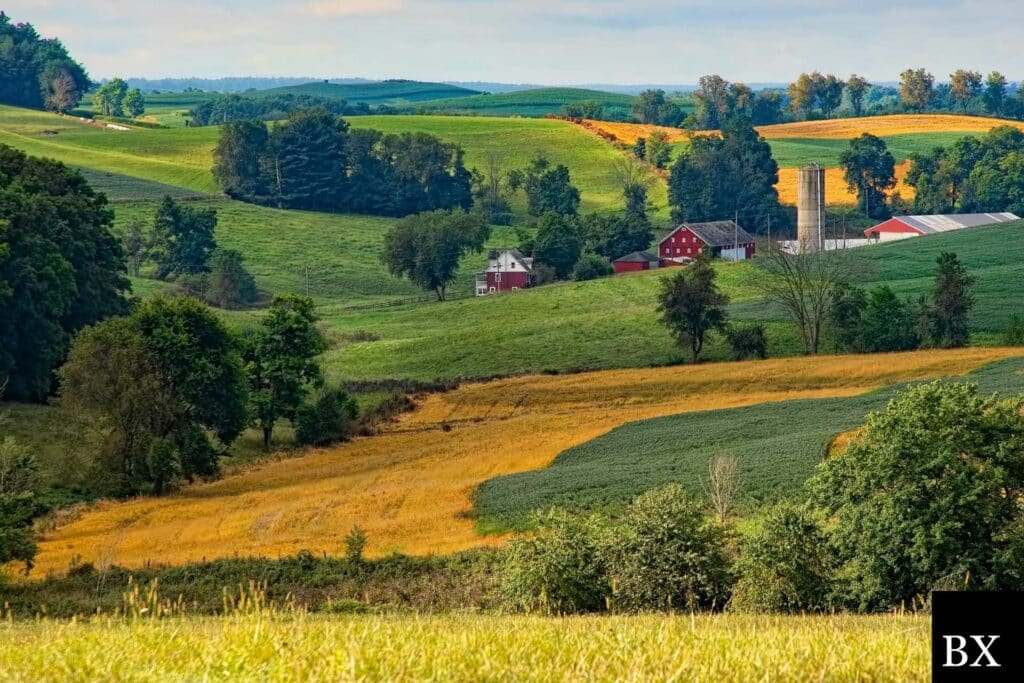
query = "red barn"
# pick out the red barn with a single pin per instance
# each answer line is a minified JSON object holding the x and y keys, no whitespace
{"x":902,"y":227}
{"x":638,"y":260}
{"x":724,"y":239}
{"x":507,"y":271}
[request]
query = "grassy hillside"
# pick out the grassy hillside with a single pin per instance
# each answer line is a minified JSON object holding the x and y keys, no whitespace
{"x":517,"y":141}
{"x":410,"y":487}
{"x":776,"y":445}
{"x":384,"y":92}
{"x":532,"y":102}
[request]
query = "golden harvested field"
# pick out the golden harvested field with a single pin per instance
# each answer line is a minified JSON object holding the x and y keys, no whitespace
{"x":627,"y":133}
{"x":410,"y":488}
{"x":284,"y":646}
{"x":836,"y":191}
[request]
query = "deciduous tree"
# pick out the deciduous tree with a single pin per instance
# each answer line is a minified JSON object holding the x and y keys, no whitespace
{"x":870,"y":170}
{"x":692,"y":306}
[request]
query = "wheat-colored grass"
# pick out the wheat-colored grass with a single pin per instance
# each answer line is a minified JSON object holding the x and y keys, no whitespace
{"x":410,"y":488}
{"x":293,"y":646}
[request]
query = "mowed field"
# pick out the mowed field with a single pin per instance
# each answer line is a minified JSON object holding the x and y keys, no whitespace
{"x":294,"y":646}
{"x":803,"y":142}
{"x":411,"y":488}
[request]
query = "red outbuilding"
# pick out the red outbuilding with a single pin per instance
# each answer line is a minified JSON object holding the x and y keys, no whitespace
{"x":638,"y":260}
{"x":723,"y":239}
{"x":902,"y":227}
{"x":507,"y":271}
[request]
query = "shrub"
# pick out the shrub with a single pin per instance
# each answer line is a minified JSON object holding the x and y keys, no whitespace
{"x":355,"y":544}
{"x":1014,"y":335}
{"x":665,"y":554}
{"x":747,"y":341}
{"x":591,"y":267}
{"x":229,"y":284}
{"x":543,"y":274}
{"x":559,"y":570}
{"x":784,"y":567}
{"x":328,"y":420}
{"x":928,"y":496}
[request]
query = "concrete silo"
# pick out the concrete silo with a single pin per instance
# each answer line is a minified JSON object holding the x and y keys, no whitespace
{"x":810,"y":207}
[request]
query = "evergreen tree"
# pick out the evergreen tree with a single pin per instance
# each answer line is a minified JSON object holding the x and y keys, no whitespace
{"x":238,"y":160}
{"x":306,"y":160}
{"x":953,"y":302}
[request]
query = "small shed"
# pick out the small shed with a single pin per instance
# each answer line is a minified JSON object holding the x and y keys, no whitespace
{"x":638,"y":260}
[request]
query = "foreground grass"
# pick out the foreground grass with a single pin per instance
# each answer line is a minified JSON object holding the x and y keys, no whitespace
{"x":411,"y":488}
{"x":272,"y":646}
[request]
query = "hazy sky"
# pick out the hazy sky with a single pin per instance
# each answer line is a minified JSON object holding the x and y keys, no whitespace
{"x":532,"y":41}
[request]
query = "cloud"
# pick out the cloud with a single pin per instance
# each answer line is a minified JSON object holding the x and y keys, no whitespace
{"x":352,"y":8}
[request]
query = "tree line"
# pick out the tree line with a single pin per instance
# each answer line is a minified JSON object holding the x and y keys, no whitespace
{"x":314,"y":161}
{"x":115,"y":98}
{"x":232,"y":107}
{"x":37,"y":72}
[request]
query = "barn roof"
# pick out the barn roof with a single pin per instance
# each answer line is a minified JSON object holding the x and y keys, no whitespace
{"x":524,"y":261}
{"x":638,"y":257}
{"x":717,"y":233}
{"x":930,"y":225}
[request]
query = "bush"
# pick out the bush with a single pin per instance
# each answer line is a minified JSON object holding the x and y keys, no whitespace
{"x":355,"y":544}
{"x":747,"y":341}
{"x":591,"y":267}
{"x":327,"y":420}
{"x":228,"y":284}
{"x":784,"y":567}
{"x":543,"y":274}
{"x":559,"y":570}
{"x":666,"y":554}
{"x":1014,"y":335}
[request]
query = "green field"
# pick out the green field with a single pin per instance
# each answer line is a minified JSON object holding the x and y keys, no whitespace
{"x":384,"y":92}
{"x":777,"y":446}
{"x":790,"y":152}
{"x":533,"y":102}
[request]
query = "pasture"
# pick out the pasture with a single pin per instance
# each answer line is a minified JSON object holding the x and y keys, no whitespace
{"x":776,"y":445}
{"x":394,"y":92}
{"x":266,"y":644}
{"x":534,"y":102}
{"x":411,"y":488}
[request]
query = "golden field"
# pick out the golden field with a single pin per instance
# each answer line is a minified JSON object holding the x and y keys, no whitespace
{"x":268,"y":645}
{"x":836,"y":191}
{"x":410,"y":488}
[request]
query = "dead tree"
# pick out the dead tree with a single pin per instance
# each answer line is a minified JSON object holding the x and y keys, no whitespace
{"x":723,"y":485}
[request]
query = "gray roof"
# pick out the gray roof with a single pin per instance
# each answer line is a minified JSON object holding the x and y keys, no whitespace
{"x":930,"y":225}
{"x":637,"y":257}
{"x":718,"y":233}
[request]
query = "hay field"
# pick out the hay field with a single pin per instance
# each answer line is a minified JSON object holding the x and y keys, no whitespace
{"x":836,"y":191}
{"x":270,"y":645}
{"x":411,"y":488}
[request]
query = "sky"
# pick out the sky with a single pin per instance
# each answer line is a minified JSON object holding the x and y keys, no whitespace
{"x":532,"y":41}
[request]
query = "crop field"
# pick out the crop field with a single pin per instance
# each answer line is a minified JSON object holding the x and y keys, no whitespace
{"x":836,"y":191}
{"x":531,"y":102}
{"x":411,"y":488}
{"x":384,"y":92}
{"x":776,"y":445}
{"x":274,"y":645}
{"x":516,"y":142}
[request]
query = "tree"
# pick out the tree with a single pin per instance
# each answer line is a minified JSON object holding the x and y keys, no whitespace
{"x":327,"y":420}
{"x":651,"y":106}
{"x":615,"y":235}
{"x":857,"y":88}
{"x":490,"y":193}
{"x":870,"y":170}
{"x":18,"y":480}
{"x":803,"y":94}
{"x":281,"y":361}
{"x":691,"y":305}
{"x":830,"y":94}
{"x":917,"y":87}
{"x":717,"y":177}
{"x":846,"y":316}
{"x":636,"y":182}
{"x":723,"y":485}
{"x":549,"y":190}
{"x":658,"y":150}
{"x":964,"y":86}
{"x":558,"y":243}
{"x":136,"y":247}
{"x":640,"y":148}
{"x":766,"y":109}
{"x":110,"y":97}
{"x":61,"y":268}
{"x":995,"y":93}
{"x":591,"y":267}
{"x":37,"y":72}
{"x":306,"y":155}
{"x":953,"y":302}
{"x":229,"y":284}
{"x":927,"y":496}
{"x":183,"y":239}
{"x":805,"y":286}
{"x":664,"y":555}
{"x":714,"y":101}
{"x":427,"y":247}
{"x":886,"y":324}
{"x":156,"y":383}
{"x":747,"y":341}
{"x":238,"y":160}
{"x":134,"y":103}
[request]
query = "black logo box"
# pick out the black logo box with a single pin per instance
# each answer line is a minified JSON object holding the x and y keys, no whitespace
{"x":977,"y":636}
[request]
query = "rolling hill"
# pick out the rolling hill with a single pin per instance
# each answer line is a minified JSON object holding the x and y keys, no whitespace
{"x":395,"y":92}
{"x":411,"y":488}
{"x":534,"y":102}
